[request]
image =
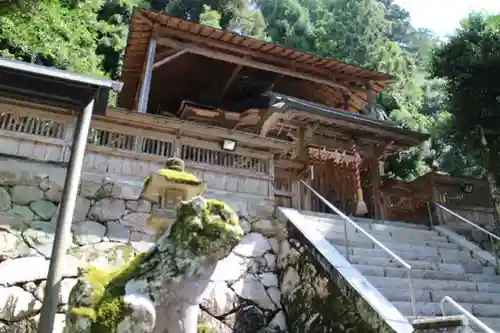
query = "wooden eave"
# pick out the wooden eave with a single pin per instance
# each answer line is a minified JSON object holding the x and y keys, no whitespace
{"x":333,"y":128}
{"x":330,"y":82}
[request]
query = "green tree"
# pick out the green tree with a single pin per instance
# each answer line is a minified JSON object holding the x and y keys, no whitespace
{"x":288,"y":24}
{"x":210,"y":17}
{"x":54,"y":35}
{"x":468,"y":62}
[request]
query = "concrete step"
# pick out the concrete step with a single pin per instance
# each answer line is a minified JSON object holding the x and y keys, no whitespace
{"x":443,"y":255}
{"x":470,"y":329}
{"x":435,"y":296}
{"x":364,"y":242}
{"x":434,"y":309}
{"x":360,"y":220}
{"x":468,"y":267}
{"x":466,"y":297}
{"x":374,"y":229}
{"x":332,"y":231}
{"x":441,"y":285}
{"x":457,"y":275}
{"x":493,"y":323}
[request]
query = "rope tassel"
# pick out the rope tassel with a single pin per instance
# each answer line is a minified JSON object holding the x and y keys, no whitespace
{"x":361,"y":208}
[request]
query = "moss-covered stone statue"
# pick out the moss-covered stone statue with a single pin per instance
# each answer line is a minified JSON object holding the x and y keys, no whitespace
{"x":159,"y":291}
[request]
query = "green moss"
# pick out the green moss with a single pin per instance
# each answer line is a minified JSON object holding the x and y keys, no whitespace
{"x":176,"y":176}
{"x":221,"y":208}
{"x":203,"y":328}
{"x":84,"y":312}
{"x":108,"y":289}
{"x":216,"y":228}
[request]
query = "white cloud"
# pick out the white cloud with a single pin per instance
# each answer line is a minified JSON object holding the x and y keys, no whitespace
{"x":443,"y":16}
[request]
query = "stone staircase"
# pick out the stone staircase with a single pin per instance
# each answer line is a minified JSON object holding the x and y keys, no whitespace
{"x":439,"y":267}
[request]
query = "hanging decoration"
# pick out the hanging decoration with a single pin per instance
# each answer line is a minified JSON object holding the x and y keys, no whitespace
{"x":361,"y":208}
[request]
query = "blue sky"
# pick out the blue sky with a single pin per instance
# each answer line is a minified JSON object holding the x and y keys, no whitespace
{"x":443,"y":16}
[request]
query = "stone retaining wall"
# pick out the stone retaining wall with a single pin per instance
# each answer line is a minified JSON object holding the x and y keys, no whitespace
{"x":311,"y":298}
{"x":109,"y":227}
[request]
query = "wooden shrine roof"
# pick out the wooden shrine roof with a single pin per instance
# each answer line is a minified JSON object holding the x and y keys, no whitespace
{"x":217,"y":66}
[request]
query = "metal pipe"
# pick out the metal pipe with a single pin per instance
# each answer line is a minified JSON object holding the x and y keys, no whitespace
{"x":494,"y":249}
{"x":373,"y":239}
{"x":63,"y":227}
{"x":346,"y":240}
{"x":467,"y":221}
{"x":470,"y":316}
{"x":411,"y":284}
{"x":429,"y":210}
{"x":142,"y":106}
{"x":357,"y":227}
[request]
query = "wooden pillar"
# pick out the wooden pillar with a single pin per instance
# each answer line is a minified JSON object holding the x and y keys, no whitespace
{"x":346,"y":99}
{"x":375,"y":181}
{"x":147,"y":75}
{"x":370,"y":97}
{"x":434,"y":214}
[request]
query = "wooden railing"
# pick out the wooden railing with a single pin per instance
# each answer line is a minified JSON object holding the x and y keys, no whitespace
{"x":133,"y":145}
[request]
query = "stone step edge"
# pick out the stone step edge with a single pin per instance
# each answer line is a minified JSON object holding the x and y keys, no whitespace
{"x":375,"y":232}
{"x":478,"y":253}
{"x":417,"y":270}
{"x":341,"y":242}
{"x":406,"y":285}
{"x":466,"y":306}
{"x":442,"y":322}
{"x":346,"y":273}
{"x":431,"y":293}
{"x":442,"y":257}
{"x":363,"y":220}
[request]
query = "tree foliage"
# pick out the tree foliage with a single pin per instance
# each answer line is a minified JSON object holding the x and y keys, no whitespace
{"x":470,"y":63}
{"x":89,"y":36}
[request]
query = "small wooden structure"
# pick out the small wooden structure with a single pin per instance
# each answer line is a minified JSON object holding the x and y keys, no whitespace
{"x":197,"y":73}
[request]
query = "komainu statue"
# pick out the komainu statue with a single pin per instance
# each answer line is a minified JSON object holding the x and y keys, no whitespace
{"x":159,"y":291}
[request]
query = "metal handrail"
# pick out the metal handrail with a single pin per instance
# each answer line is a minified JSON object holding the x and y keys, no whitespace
{"x":373,"y":239}
{"x":490,"y":234}
{"x":467,"y":221}
{"x":470,"y":316}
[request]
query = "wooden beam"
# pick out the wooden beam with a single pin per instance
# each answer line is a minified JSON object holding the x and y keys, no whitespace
{"x":164,"y":54}
{"x":210,"y":42}
{"x":169,"y":58}
{"x":370,"y":97}
{"x":375,"y":187}
{"x":336,"y":144}
{"x":250,"y":63}
{"x":230,"y":81}
{"x":268,"y":121}
{"x":171,"y":124}
{"x":346,"y":99}
{"x":378,"y":152}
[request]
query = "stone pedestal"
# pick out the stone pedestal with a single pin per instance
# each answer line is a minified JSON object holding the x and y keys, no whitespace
{"x":160,"y":290}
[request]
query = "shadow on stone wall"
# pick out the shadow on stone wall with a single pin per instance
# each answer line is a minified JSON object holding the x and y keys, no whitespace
{"x":315,"y":299}
{"x":243,"y":296}
{"x":109,"y":228}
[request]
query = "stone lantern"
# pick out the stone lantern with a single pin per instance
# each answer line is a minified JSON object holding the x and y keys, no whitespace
{"x":165,"y":188}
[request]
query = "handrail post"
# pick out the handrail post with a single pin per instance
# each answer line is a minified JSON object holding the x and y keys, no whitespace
{"x":429,"y":210}
{"x":346,"y":240}
{"x":412,"y":293}
{"x":374,"y":241}
{"x":467,"y":314}
{"x":494,"y":249}
{"x":492,"y":237}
